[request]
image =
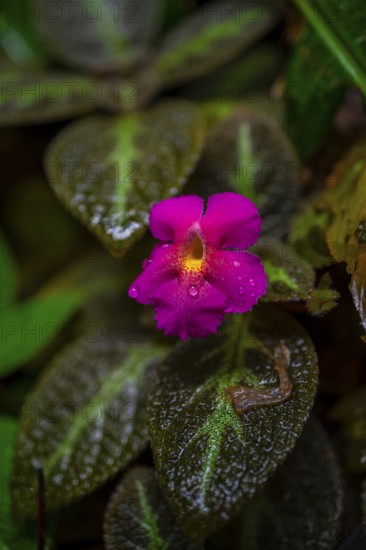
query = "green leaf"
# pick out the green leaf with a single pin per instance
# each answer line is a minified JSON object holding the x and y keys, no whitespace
{"x":323,"y":298}
{"x":29,"y":97}
{"x":248,"y":153}
{"x":84,"y":421}
{"x":350,"y":413}
{"x":220,"y":422}
{"x":311,"y":102}
{"x":109,"y":171}
{"x":345,"y":202}
{"x":289,"y":277}
{"x":138,"y":516}
{"x":216,"y":33}
{"x":101,"y":35}
{"x":14,"y":535}
{"x":300,"y":507}
{"x":8,"y":275}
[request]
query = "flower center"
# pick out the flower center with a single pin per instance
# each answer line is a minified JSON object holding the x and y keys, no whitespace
{"x":193,"y":253}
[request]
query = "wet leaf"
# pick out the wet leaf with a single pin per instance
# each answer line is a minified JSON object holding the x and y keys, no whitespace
{"x":323,"y":298}
{"x":109,"y":171}
{"x":248,"y":153}
{"x":208,"y":456}
{"x":214,"y":34}
{"x":139,"y":517}
{"x":300,"y":507}
{"x":100,"y":35}
{"x":37,"y":97}
{"x":350,"y":413}
{"x":8,"y":275}
{"x":84,"y":421}
{"x":289,"y":277}
{"x":345,"y":200}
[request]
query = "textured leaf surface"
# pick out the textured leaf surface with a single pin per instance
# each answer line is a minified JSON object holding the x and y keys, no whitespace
{"x":35,"y":98}
{"x":85,"y":419}
{"x":207,"y":455}
{"x":350,"y":412}
{"x":212,"y":35}
{"x":289,"y":277}
{"x":100,"y":35}
{"x":345,"y":200}
{"x":138,"y":516}
{"x":248,"y":153}
{"x":109,"y":171}
{"x":299,"y":508}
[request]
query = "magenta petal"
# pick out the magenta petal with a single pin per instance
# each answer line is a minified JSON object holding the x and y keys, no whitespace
{"x":185,"y":314}
{"x":238,"y":275}
{"x":170,"y":219}
{"x":160,"y":268}
{"x":231,"y":220}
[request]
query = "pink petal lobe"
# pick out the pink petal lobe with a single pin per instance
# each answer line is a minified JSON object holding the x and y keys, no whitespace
{"x":231,"y":220}
{"x":159,"y":269}
{"x":188,"y":310}
{"x":240,"y":276}
{"x":170,"y":219}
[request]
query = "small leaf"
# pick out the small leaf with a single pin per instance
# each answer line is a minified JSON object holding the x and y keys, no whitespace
{"x":323,"y":298}
{"x":138,"y":516}
{"x":109,"y":171}
{"x":8,"y":275}
{"x":248,"y":153}
{"x":300,"y":507}
{"x":208,"y":456}
{"x":100,"y":35}
{"x":350,"y":412}
{"x":35,"y":97}
{"x":84,"y":421}
{"x":216,"y":33}
{"x":289,"y":277}
{"x":345,"y":200}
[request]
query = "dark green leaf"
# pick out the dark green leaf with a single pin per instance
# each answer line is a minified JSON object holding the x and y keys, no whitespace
{"x":35,"y":97}
{"x":248,"y":153}
{"x":350,"y":412}
{"x":322,"y":298}
{"x":8,"y":275}
{"x":99,"y":35}
{"x":209,"y":456}
{"x":84,"y":420}
{"x":138,"y":516}
{"x":109,"y":171}
{"x":300,"y":507}
{"x":213,"y":35}
{"x":289,"y":277}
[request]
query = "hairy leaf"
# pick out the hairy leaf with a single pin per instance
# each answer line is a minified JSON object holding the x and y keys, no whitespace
{"x":109,"y":171}
{"x":100,"y":35}
{"x":139,"y":517}
{"x":322,"y":298}
{"x":84,"y":421}
{"x":248,"y":153}
{"x":220,"y":421}
{"x":214,"y":34}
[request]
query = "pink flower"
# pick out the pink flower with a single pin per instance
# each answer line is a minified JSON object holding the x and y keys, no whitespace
{"x":198,"y":274}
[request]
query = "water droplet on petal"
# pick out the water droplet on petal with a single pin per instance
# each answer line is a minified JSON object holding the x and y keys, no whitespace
{"x":253,"y":294}
{"x":241,"y":290}
{"x":165,"y":245}
{"x":145,"y":263}
{"x":236,"y":264}
{"x":193,"y":291}
{"x":252,"y":282}
{"x":240,"y":278}
{"x":133,"y":292}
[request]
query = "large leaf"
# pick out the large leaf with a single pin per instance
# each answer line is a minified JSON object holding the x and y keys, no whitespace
{"x":214,"y":34}
{"x":35,"y":97}
{"x":109,"y":171}
{"x":345,"y":200}
{"x":139,"y":517}
{"x":219,"y":422}
{"x":350,"y":412}
{"x":100,"y":35}
{"x":300,"y":507}
{"x":84,"y":421}
{"x":248,"y":153}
